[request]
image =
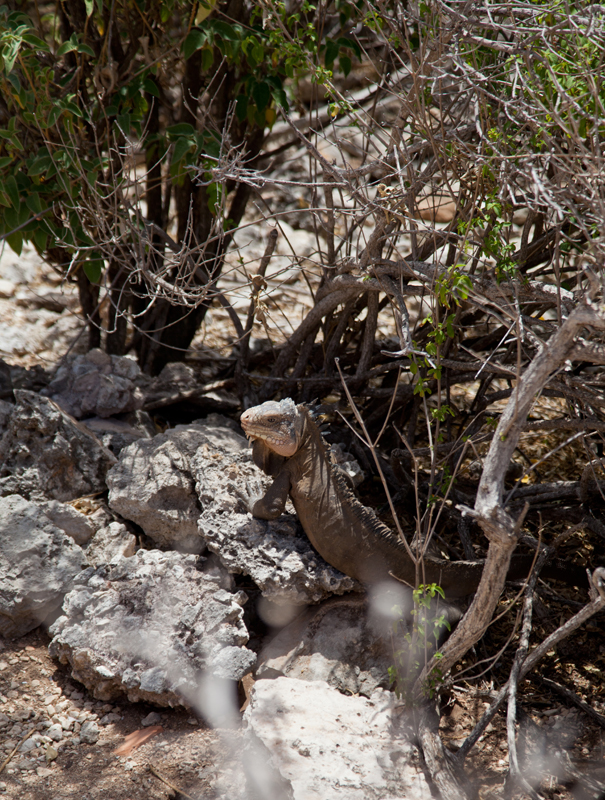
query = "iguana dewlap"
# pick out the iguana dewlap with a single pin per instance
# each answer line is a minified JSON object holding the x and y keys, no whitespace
{"x":288,"y":445}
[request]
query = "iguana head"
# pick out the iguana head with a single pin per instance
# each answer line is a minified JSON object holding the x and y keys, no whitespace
{"x":279,"y":425}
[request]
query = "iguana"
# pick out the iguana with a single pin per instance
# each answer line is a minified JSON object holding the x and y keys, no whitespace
{"x":288,"y":445}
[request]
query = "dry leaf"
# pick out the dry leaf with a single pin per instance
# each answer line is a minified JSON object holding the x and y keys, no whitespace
{"x":136,"y":739}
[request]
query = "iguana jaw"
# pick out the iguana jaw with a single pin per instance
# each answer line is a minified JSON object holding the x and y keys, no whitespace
{"x":279,"y":425}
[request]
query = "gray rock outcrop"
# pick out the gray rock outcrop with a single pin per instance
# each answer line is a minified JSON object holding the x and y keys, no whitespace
{"x":182,"y":488}
{"x":38,"y":565}
{"x":79,"y":526}
{"x":96,"y":384}
{"x":150,"y":627}
{"x":152,"y":485}
{"x":46,"y":453}
{"x":110,"y":544}
{"x":116,"y":434}
{"x":307,"y":740}
{"x":276,"y":554}
{"x":337,"y":642}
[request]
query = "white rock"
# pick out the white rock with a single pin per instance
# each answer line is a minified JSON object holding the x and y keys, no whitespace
{"x":110,"y":544}
{"x":89,"y":732}
{"x":276,"y":554}
{"x":96,"y":384}
{"x":70,"y":520}
{"x":38,"y":564}
{"x":7,"y":288}
{"x":55,"y":732}
{"x":152,"y":485}
{"x":340,"y":642}
{"x":45,"y":453}
{"x":319,"y":743}
{"x":149,"y":626}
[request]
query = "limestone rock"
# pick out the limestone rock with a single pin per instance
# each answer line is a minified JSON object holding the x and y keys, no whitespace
{"x":276,"y":554}
{"x":110,"y":544}
{"x":89,"y":732}
{"x":152,"y":485}
{"x":149,"y":627}
{"x":46,"y":453}
{"x":75,"y":524}
{"x":337,"y":642}
{"x":321,"y":743}
{"x":116,"y":434}
{"x":96,"y":384}
{"x":38,"y":565}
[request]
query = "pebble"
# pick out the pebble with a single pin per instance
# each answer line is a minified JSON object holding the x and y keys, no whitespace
{"x":7,"y":288}
{"x":153,"y":718}
{"x":43,"y":772}
{"x":89,"y":733}
{"x":3,"y":666}
{"x":55,"y":732}
{"x":28,"y":744}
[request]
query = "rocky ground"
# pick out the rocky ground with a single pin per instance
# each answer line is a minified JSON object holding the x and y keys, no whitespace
{"x":318,"y":721}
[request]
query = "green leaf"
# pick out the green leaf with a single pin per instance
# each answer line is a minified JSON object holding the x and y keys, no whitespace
{"x":33,"y":203}
{"x":39,"y":166}
{"x":280,"y":98}
{"x":150,"y":87}
{"x":89,"y":6}
{"x":40,"y":238}
{"x":12,"y":190}
{"x":195,"y":40}
{"x":207,"y":58}
{"x":213,"y":192}
{"x":4,"y":162}
{"x":225,"y":31}
{"x":15,"y":241}
{"x":35,"y":41}
{"x":10,"y":53}
{"x":93,"y":269}
{"x":345,"y":64}
{"x":344,"y":42}
{"x":73,"y":108}
{"x":181,"y":148}
{"x":332,"y":50}
{"x":84,"y":48}
{"x":14,"y":79}
{"x":261,"y":94}
{"x":123,"y":122}
{"x":181,"y":129}
{"x":54,"y":115}
{"x":241,"y":107}
{"x":66,"y":47}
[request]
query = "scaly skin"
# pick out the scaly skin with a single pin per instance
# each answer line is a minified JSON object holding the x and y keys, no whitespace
{"x":288,"y":445}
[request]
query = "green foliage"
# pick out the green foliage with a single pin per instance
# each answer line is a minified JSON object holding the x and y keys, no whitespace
{"x":420,"y":643}
{"x":69,"y":103}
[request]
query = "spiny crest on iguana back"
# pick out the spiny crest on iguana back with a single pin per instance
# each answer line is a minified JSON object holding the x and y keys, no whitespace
{"x":363,"y":513}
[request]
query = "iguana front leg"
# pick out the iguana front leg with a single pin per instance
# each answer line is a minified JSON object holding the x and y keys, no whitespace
{"x":273,"y":503}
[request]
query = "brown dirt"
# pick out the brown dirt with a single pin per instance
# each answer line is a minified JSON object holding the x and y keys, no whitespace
{"x":34,"y":690}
